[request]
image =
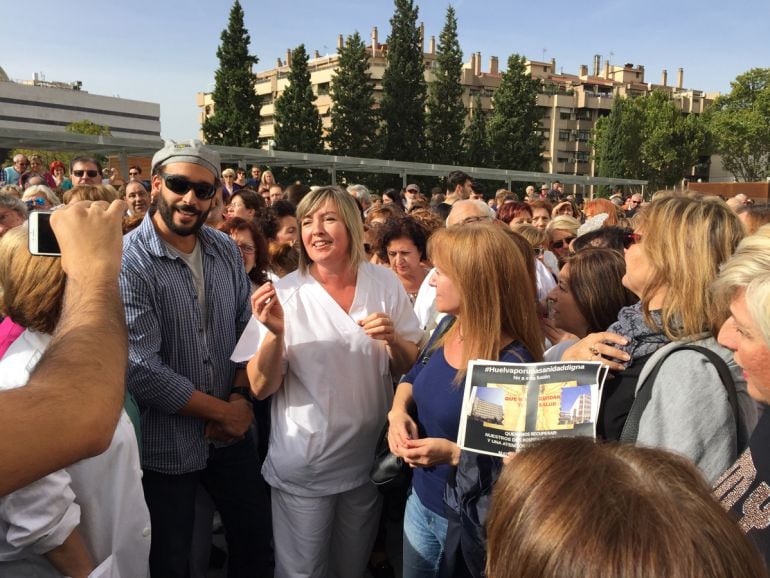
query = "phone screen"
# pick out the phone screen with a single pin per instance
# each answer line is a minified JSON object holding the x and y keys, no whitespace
{"x":42,"y":240}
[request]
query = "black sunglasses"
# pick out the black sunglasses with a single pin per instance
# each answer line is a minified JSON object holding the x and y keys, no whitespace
{"x":562,"y":243}
{"x":631,"y":238}
{"x":180,"y":185}
{"x":91,"y":173}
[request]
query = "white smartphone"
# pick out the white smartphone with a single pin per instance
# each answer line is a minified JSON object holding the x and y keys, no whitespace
{"x":42,"y":240}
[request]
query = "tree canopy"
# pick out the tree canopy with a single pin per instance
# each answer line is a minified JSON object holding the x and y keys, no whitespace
{"x":445,"y":118}
{"x":513,"y":128}
{"x":297,"y":123}
{"x":740,"y":124}
{"x":235,"y":121}
{"x":649,"y":137}
{"x":403,"y":88}
{"x":353,"y":129}
{"x":475,"y":137}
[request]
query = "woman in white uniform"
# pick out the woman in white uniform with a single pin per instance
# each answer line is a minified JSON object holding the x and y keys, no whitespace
{"x":327,"y":338}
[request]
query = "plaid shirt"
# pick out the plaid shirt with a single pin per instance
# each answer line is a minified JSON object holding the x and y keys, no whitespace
{"x":169,"y":353}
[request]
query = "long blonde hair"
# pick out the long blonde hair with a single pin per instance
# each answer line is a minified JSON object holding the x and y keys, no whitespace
{"x":497,"y":294}
{"x":686,"y":238}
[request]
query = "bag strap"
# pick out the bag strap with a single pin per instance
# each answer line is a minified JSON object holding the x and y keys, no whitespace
{"x":643,"y":396}
{"x":427,"y":350}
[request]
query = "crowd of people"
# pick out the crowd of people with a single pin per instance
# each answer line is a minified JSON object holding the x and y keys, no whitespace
{"x":253,"y":340}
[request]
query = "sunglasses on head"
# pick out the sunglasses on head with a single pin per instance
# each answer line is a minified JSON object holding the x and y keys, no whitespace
{"x":90,"y":172}
{"x":180,"y":185}
{"x":631,"y":238}
{"x":562,"y":243}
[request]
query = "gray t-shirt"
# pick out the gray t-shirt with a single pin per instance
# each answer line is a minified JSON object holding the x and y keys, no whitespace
{"x":194,"y":262}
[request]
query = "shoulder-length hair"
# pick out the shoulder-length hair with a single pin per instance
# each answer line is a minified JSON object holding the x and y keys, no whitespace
{"x":32,"y":285}
{"x":748,"y":271}
{"x":497,"y":293}
{"x":572,"y":507}
{"x":596,"y":284}
{"x":348,"y":211}
{"x":686,"y":238}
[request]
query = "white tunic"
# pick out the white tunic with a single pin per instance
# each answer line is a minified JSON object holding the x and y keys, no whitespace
{"x":102,"y":496}
{"x":337,"y":387}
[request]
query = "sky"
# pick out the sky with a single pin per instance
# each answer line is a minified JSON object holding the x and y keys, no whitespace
{"x":165,"y":51}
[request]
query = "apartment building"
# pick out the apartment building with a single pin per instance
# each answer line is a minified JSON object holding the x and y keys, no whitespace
{"x":571,"y":103}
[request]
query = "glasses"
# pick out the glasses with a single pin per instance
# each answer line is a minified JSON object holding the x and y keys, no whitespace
{"x":180,"y":185}
{"x":36,"y":202}
{"x":90,"y":172}
{"x":563,"y":243}
{"x":133,"y":174}
{"x":22,"y":163}
{"x":631,"y":238}
{"x":246,"y":249}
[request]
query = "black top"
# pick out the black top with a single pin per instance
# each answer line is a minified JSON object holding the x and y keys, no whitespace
{"x":744,"y":488}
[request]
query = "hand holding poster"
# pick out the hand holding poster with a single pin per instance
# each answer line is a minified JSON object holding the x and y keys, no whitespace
{"x":507,"y":406}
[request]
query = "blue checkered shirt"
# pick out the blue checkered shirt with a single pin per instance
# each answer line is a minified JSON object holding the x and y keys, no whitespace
{"x":169,"y":353}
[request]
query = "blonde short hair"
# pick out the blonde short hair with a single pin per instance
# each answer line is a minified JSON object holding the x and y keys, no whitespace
{"x":32,"y":286}
{"x":348,"y":211}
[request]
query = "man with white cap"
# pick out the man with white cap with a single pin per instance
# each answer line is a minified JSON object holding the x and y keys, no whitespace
{"x":186,"y":297}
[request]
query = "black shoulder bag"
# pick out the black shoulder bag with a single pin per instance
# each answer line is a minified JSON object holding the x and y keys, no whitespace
{"x":643,"y":396}
{"x":389,"y":472}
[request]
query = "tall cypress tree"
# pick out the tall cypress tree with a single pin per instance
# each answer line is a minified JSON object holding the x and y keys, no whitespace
{"x":618,"y":141}
{"x":353,"y":130}
{"x":235,"y":121}
{"x":513,"y":126}
{"x":297,"y":123}
{"x":445,"y":119}
{"x":403,"y":88}
{"x":475,"y":137}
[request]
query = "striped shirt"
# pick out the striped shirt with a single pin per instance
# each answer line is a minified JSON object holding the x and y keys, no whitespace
{"x":170,"y":351}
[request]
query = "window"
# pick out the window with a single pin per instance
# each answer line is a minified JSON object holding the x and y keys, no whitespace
{"x":565,"y":115}
{"x":584,"y":135}
{"x":581,"y":156}
{"x":583,"y":114}
{"x":564,"y":134}
{"x":323,"y":88}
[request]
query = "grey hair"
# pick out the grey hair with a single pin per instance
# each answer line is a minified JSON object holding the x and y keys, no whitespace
{"x":12,"y":203}
{"x":748,"y":270}
{"x":361,"y":192}
{"x":487,"y":211}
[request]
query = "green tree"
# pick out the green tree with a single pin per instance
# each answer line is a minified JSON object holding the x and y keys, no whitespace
{"x":475,"y":138}
{"x":740,"y":124}
{"x":353,"y":129}
{"x":649,"y":138}
{"x":403,"y":88}
{"x":513,"y":127}
{"x":235,"y":121}
{"x":617,"y":141}
{"x":445,"y":118}
{"x":297,"y":123}
{"x":88,"y":127}
{"x":670,"y":140}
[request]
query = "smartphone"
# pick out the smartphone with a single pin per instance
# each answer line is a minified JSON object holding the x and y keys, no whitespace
{"x":42,"y":240}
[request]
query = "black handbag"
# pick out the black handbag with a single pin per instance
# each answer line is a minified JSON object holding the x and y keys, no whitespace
{"x":389,"y":472}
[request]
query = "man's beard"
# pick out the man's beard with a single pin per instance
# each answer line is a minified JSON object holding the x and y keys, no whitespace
{"x":167,"y":214}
